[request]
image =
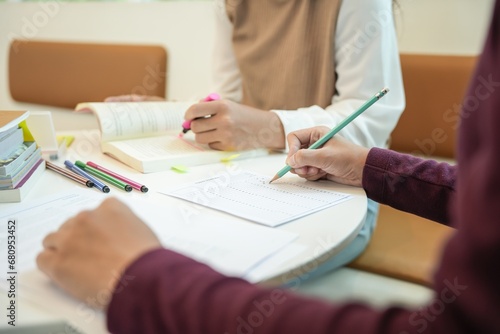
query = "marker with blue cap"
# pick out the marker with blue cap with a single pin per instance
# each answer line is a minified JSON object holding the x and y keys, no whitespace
{"x":98,"y":184}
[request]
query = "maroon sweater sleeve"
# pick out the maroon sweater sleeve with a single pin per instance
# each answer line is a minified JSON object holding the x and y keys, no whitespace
{"x":169,"y":293}
{"x":411,"y":184}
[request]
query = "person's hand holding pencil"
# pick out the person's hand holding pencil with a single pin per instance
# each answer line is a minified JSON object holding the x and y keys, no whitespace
{"x":337,"y":160}
{"x":322,"y":140}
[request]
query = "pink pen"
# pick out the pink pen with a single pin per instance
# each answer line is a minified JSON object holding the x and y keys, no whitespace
{"x":133,"y":184}
{"x":186,"y":126}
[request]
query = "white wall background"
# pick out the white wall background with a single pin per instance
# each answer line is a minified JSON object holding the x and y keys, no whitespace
{"x":443,"y":26}
{"x":186,"y":30}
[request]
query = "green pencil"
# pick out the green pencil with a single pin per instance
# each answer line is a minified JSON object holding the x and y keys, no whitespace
{"x":103,"y":176}
{"x":336,"y":129}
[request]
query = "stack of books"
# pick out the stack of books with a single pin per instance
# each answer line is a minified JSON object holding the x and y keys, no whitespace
{"x":21,"y":163}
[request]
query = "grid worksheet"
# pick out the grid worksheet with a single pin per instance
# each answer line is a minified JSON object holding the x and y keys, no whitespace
{"x":250,"y":196}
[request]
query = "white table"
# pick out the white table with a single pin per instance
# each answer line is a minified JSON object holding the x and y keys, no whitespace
{"x":323,"y":234}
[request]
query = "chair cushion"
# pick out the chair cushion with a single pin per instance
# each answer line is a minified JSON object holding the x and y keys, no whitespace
{"x":434,"y":87}
{"x":65,"y":74}
{"x":404,"y":246}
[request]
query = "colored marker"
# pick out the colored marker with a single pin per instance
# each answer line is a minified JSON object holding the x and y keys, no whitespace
{"x":186,"y":126}
{"x":103,"y":176}
{"x":133,"y":184}
{"x":98,"y":184}
{"x":68,"y":174}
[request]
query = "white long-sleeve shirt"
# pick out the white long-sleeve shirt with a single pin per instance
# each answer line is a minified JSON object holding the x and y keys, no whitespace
{"x":366,"y":60}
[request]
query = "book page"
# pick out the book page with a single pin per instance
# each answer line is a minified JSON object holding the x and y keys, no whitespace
{"x":127,"y":120}
{"x":250,"y":196}
{"x":151,"y":148}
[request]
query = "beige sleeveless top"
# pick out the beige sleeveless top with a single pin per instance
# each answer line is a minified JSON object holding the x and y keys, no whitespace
{"x":285,"y":51}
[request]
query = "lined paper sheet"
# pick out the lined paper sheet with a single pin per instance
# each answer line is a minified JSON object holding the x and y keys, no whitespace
{"x":229,"y":246}
{"x":250,"y":196}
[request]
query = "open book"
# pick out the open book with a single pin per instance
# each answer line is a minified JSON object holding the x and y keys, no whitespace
{"x":145,"y":136}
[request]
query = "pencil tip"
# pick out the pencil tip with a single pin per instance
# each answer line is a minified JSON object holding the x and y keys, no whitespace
{"x":274,"y":178}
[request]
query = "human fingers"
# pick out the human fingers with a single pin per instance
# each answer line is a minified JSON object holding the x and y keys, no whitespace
{"x":306,"y":158}
{"x":305,"y":171}
{"x":114,"y":99}
{"x":198,"y":114}
{"x":199,"y":110}
{"x":310,"y":173}
{"x":217,"y":141}
{"x":218,"y":146}
{"x":304,"y":138}
{"x":133,"y":98}
{"x":317,"y":176}
{"x":85,"y":257}
{"x":55,"y":240}
{"x":123,"y":98}
{"x":50,"y":240}
{"x":46,"y":261}
{"x":113,"y":214}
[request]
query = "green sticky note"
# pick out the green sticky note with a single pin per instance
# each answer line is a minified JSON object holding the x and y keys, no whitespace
{"x":180,"y":169}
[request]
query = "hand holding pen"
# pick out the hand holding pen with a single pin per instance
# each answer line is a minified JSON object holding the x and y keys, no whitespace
{"x":338,"y":160}
{"x":327,"y":135}
{"x":230,"y":126}
{"x":186,"y":125}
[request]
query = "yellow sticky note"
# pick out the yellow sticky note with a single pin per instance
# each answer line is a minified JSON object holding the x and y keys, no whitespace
{"x":229,"y":158}
{"x":69,"y":140}
{"x":180,"y":169}
{"x":26,"y":131}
